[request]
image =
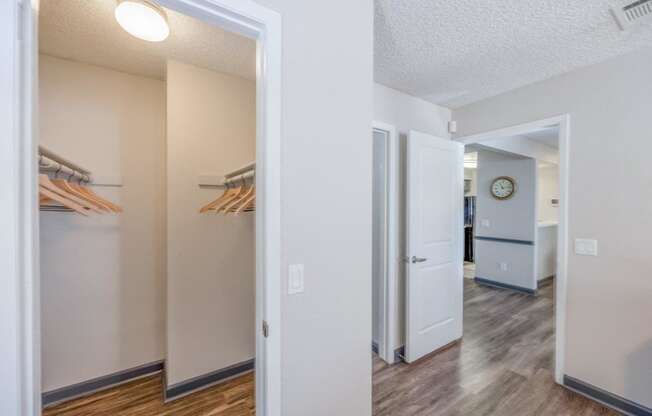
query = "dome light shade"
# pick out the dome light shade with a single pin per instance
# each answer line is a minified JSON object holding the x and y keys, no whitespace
{"x":143,"y":19}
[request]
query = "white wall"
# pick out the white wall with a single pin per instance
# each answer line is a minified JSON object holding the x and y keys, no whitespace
{"x":524,"y":146}
{"x":513,"y":219}
{"x":546,"y":250}
{"x":607,"y":343}
{"x":547,"y":189}
{"x":211,"y":128}
{"x":406,"y":112}
{"x":471,"y":174}
{"x":102,"y":278}
{"x":327,"y":117}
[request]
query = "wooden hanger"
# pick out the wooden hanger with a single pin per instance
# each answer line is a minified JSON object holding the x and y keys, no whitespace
{"x":99,"y":202}
{"x":75,"y":196}
{"x":240,"y":198}
{"x":232,"y":193}
{"x":91,"y":194}
{"x":247,"y":203}
{"x":50,"y":195}
{"x":213,"y":203}
{"x":46,"y":184}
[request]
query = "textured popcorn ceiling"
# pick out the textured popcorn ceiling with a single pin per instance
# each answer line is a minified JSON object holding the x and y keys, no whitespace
{"x":454,"y":52}
{"x":86,"y":31}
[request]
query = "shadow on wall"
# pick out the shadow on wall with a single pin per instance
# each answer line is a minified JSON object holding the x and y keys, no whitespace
{"x":638,"y":375}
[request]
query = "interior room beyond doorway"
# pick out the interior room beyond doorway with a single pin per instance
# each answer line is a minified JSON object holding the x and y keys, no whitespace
{"x":511,"y":209}
{"x":163,"y":236}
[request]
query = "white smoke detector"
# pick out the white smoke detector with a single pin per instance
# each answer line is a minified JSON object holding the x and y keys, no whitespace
{"x":630,"y":12}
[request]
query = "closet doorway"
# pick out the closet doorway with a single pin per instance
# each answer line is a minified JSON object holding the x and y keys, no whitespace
{"x":70,"y":198}
{"x":385,"y":251}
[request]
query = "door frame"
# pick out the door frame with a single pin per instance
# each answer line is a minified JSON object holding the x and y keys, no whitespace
{"x":389,"y":303}
{"x":20,"y":370}
{"x":563,"y":122}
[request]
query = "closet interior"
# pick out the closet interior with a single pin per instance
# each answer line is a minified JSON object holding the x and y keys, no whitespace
{"x":147,"y":147}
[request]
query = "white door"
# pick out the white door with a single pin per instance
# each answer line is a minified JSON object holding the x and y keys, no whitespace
{"x":435,"y":228}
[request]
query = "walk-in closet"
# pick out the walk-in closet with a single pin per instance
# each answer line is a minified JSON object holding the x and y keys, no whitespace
{"x":147,"y":172}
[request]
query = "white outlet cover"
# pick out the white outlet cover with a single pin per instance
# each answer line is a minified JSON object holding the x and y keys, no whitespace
{"x":485,"y":223}
{"x":586,"y":247}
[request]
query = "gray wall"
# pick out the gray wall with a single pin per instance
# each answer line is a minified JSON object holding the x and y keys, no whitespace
{"x":379,"y":267}
{"x":608,"y":342}
{"x":326,"y":150}
{"x":514,"y":219}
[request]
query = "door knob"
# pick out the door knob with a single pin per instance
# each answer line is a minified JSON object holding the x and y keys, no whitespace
{"x":416,"y":259}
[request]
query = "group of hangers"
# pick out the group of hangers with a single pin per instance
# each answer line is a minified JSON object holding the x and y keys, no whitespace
{"x":60,"y":193}
{"x":234,"y":200}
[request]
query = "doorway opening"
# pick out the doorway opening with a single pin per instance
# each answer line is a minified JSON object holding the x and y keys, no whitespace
{"x":516,"y":327}
{"x":543,"y":146}
{"x":99,"y":157}
{"x":385,"y":235}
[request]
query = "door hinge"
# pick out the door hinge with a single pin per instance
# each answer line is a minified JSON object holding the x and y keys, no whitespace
{"x":265,"y":329}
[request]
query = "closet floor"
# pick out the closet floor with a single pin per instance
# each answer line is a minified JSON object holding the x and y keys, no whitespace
{"x":143,"y":397}
{"x":503,"y":366}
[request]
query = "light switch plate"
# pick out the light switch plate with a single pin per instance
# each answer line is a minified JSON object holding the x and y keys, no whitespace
{"x":586,"y":247}
{"x":295,"y":279}
{"x":503,"y":266}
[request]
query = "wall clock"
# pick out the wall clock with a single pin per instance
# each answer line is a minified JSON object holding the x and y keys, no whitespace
{"x":503,"y":187}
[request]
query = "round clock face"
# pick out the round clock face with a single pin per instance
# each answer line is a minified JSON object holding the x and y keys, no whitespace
{"x":503,"y":187}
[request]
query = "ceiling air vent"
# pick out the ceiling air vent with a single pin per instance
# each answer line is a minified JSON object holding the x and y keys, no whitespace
{"x":628,"y":13}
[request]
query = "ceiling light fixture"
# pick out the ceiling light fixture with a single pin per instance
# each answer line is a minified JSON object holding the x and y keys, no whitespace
{"x":143,"y":19}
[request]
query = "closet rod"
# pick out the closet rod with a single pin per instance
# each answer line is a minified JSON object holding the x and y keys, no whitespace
{"x":48,"y":165}
{"x":49,"y":161}
{"x":43,"y":151}
{"x":234,"y":180}
{"x":246,"y":168}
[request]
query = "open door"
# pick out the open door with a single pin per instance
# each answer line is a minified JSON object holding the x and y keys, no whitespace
{"x":435,"y":207}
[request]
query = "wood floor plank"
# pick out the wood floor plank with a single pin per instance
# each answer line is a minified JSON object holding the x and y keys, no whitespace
{"x":144,"y":397}
{"x":503,"y":366}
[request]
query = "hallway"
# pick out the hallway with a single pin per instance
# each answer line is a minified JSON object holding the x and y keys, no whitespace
{"x":502,"y":367}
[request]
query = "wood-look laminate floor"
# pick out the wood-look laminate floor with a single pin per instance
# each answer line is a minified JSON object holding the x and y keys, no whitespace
{"x":144,"y":397}
{"x":503,"y":367}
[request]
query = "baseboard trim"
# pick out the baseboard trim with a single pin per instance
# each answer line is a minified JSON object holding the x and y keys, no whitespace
{"x":192,"y":385}
{"x":545,"y":279}
{"x":505,"y":240}
{"x":488,"y":282}
{"x":50,"y":398}
{"x":608,"y":399}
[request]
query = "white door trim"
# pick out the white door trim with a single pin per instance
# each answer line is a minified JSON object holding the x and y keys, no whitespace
{"x":563,"y":121}
{"x":389,"y":305}
{"x":19,"y":321}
